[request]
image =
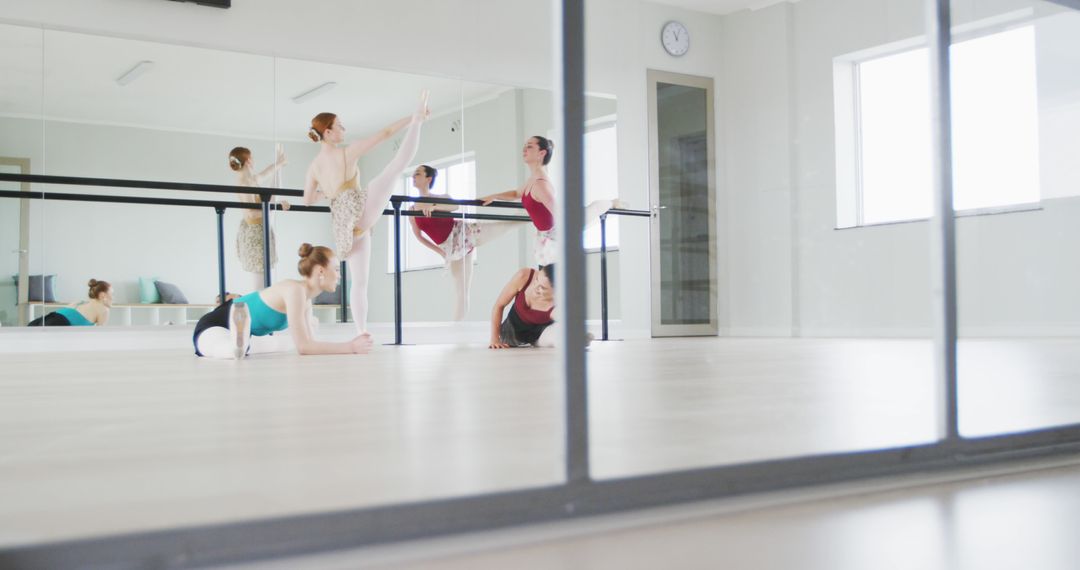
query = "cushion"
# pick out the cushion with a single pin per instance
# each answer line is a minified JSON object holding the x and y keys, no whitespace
{"x":148,"y":292}
{"x":328,"y":297}
{"x":170,"y":294}
{"x":40,"y":289}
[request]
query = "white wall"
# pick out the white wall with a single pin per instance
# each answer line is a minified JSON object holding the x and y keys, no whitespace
{"x":874,"y":281}
{"x":622,"y":42}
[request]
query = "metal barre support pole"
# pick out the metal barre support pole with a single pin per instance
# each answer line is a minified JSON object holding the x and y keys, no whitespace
{"x":344,"y":293}
{"x":603,"y":277}
{"x":397,"y":270}
{"x":265,"y":197}
{"x":221,"y":251}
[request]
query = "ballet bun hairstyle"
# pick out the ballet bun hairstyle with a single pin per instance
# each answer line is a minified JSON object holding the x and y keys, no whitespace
{"x":545,"y":144}
{"x":312,"y":256}
{"x":431,"y":173}
{"x":549,"y":272}
{"x":97,"y":288}
{"x":319,"y":124}
{"x":238,"y":157}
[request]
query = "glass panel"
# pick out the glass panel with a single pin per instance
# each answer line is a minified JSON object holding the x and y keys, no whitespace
{"x":824,"y":340}
{"x":686,"y":295}
{"x":1016,"y":108}
{"x":22,"y":283}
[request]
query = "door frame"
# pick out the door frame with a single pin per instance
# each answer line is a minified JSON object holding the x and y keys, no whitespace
{"x":653,"y":78}
{"x":22,"y":303}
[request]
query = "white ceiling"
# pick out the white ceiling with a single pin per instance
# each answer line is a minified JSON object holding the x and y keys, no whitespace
{"x":202,"y":90}
{"x":721,"y":7}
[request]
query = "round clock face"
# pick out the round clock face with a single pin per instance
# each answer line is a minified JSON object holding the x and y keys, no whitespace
{"x":675,"y":37}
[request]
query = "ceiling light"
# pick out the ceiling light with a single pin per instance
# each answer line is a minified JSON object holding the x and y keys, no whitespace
{"x":313,"y":93}
{"x":134,"y":73}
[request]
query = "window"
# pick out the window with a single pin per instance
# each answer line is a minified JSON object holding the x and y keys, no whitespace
{"x":886,"y":162}
{"x":456,"y":179}
{"x":601,"y":179}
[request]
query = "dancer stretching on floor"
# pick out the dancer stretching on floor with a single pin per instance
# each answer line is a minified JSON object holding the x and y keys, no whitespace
{"x":529,"y":322}
{"x":353,"y":211}
{"x":84,"y":313}
{"x":241,"y":325}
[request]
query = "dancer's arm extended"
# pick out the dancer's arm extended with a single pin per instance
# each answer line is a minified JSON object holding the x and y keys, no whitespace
{"x":514,"y":194}
{"x":517,"y":282}
{"x":266,"y":172}
{"x":296,"y":308}
{"x":424,"y":239}
{"x":359,"y":148}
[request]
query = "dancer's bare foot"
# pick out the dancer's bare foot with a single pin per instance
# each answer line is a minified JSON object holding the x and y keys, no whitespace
{"x":423,"y":112}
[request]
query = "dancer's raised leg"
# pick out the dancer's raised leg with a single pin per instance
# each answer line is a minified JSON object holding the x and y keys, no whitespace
{"x":382,"y":186}
{"x":489,"y":231}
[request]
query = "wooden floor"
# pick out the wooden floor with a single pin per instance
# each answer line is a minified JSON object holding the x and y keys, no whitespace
{"x":967,"y":520}
{"x":137,"y":434}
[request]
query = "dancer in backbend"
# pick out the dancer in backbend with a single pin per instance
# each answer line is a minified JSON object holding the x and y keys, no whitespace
{"x":454,"y":240}
{"x":354,"y":211}
{"x":84,"y":313}
{"x":242,"y":325}
{"x":537,"y":195}
{"x":249,"y":238}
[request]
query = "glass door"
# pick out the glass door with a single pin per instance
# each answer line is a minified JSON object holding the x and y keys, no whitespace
{"x":683,"y":200}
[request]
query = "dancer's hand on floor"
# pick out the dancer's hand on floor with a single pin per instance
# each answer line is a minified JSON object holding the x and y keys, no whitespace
{"x":498,"y":344}
{"x":361,"y":344}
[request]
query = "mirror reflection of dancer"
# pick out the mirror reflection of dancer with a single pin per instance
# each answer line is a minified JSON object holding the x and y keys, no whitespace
{"x":354,"y":211}
{"x":240,"y":326}
{"x":537,"y":195}
{"x":453,"y":239}
{"x":249,"y":238}
{"x":84,"y":313}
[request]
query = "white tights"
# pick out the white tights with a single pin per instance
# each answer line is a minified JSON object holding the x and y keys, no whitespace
{"x":220,"y":342}
{"x":379,"y":191}
{"x":257,"y":283}
{"x":461,"y":269}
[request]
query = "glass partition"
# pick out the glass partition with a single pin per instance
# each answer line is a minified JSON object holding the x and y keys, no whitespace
{"x":23,"y":278}
{"x":1016,"y":108}
{"x":791,"y":290}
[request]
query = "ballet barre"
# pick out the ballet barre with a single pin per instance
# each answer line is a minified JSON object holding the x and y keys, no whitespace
{"x":265,"y":198}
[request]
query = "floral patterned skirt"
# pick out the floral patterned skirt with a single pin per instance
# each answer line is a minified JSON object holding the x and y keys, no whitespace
{"x":249,"y":246}
{"x":345,"y":211}
{"x":546,"y":250}
{"x":462,"y":240}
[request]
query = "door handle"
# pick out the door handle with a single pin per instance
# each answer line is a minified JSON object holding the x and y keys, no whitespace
{"x":656,"y":210}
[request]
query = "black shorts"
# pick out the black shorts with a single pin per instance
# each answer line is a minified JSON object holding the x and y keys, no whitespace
{"x":219,"y":317}
{"x":516,"y":332}
{"x":50,"y":320}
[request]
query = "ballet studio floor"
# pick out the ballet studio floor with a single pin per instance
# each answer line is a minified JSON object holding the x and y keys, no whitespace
{"x":119,"y":430}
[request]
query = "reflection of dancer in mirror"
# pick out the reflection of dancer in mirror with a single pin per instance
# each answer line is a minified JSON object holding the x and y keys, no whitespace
{"x":354,"y":211}
{"x":242,"y":325}
{"x":537,"y":195}
{"x":529,"y":322}
{"x":249,"y":238}
{"x":454,"y":240}
{"x":84,"y":313}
